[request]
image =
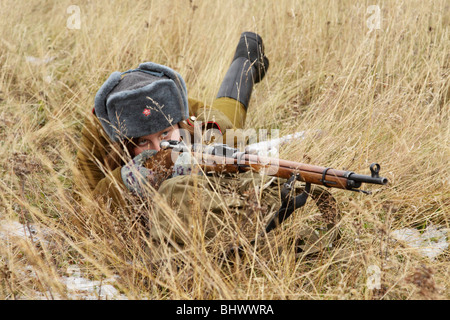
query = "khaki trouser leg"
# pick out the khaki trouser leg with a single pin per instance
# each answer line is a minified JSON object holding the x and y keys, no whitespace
{"x":233,"y":109}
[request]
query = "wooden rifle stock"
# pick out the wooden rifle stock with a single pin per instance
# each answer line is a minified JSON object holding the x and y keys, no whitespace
{"x":223,"y":159}
{"x":327,"y":177}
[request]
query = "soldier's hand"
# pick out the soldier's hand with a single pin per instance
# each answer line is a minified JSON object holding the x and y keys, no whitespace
{"x":145,"y":169}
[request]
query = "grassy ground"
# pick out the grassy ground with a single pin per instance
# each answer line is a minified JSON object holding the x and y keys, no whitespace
{"x":380,"y":96}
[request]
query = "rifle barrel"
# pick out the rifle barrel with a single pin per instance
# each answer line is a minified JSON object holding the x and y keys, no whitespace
{"x":368,"y":179}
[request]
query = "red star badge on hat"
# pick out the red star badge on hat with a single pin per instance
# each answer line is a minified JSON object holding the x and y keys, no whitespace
{"x":146,"y":112}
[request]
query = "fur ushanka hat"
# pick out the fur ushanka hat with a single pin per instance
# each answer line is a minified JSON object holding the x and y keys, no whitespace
{"x":141,"y":101}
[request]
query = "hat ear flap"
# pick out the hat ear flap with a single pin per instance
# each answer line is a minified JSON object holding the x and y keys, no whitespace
{"x":100,"y":103}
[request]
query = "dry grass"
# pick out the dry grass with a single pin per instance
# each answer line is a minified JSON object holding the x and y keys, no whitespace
{"x":381,"y":96}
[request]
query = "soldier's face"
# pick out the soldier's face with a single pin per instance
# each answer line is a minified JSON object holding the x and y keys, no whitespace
{"x":152,"y":141}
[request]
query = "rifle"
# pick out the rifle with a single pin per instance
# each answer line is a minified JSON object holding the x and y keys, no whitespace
{"x":221,"y":158}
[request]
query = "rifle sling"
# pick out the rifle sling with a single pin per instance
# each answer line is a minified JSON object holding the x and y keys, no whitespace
{"x":287,"y":208}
